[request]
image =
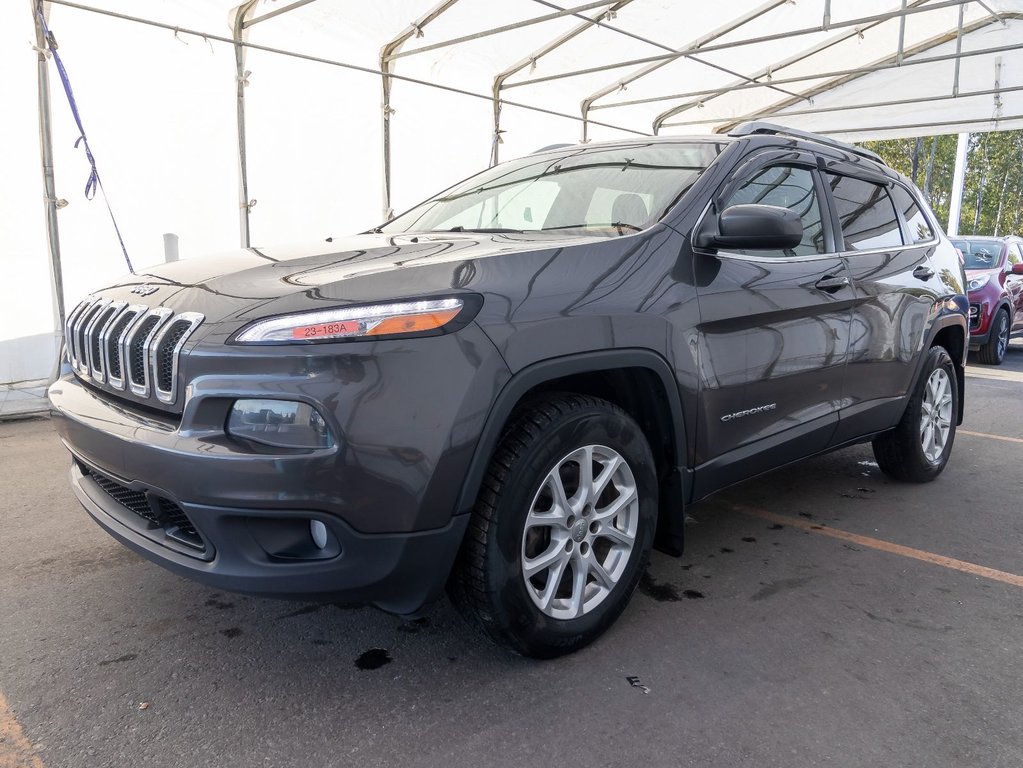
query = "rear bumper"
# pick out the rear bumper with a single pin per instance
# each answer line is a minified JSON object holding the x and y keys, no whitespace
{"x":397,"y":572}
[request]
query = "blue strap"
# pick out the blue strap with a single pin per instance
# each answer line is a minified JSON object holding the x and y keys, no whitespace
{"x":93,"y":182}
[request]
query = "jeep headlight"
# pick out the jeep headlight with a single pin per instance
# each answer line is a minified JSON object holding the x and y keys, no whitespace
{"x":404,"y":318}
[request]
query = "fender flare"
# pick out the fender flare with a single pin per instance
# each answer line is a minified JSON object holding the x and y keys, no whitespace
{"x":555,"y":368}
{"x":950,"y":320}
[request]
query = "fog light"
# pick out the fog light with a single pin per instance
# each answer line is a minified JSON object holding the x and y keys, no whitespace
{"x":319,"y":533}
{"x":280,"y":423}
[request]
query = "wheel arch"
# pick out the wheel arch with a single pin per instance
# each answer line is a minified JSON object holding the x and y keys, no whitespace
{"x":952,"y":333}
{"x":639,"y":381}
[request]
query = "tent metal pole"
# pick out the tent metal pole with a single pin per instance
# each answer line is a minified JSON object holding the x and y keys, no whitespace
{"x":46,"y":157}
{"x":531,"y":59}
{"x":238,"y":35}
{"x":959,"y":50}
{"x":842,"y":77}
{"x":958,"y":183}
{"x":415,"y":29}
{"x":499,"y":30}
{"x":691,"y":47}
{"x":902,"y":33}
{"x":278,"y":12}
{"x":815,"y":76}
{"x":849,"y":107}
{"x":860,"y":22}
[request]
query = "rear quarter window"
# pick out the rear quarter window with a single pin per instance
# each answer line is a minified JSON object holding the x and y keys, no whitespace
{"x":919,"y":228}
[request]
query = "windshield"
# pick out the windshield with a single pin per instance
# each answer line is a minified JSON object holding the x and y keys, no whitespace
{"x":608,"y":191}
{"x":979,"y":254}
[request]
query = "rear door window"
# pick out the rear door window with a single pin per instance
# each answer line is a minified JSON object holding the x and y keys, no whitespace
{"x":866,"y":214}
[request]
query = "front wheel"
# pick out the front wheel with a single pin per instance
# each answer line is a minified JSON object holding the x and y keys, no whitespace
{"x":993,"y":353}
{"x":562,"y":529}
{"x":917,"y":450}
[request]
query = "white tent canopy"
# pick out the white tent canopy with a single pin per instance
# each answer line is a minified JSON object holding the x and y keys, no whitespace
{"x":339,"y":95}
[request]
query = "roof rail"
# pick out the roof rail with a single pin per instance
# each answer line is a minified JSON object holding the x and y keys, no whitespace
{"x":749,"y":129}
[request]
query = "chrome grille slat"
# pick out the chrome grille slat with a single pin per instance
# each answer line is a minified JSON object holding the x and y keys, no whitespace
{"x":129,"y":347}
{"x":113,"y":361}
{"x":181,"y":327}
{"x":93,"y":351}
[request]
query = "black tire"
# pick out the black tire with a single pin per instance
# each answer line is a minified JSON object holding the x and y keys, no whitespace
{"x":993,"y":353}
{"x":488,"y":583}
{"x":900,"y":452}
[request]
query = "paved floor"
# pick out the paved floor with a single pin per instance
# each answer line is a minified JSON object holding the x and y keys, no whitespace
{"x":768,"y":644}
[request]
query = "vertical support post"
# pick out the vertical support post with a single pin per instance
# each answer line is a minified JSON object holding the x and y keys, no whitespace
{"x":958,"y":183}
{"x":826,"y":23}
{"x":415,"y":29}
{"x":170,"y":247}
{"x":959,"y":50}
{"x":238,"y":34}
{"x":46,"y":158}
{"x":902,"y":35}
{"x":385,"y":128}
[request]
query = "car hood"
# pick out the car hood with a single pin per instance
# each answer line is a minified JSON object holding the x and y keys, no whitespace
{"x":256,"y":282}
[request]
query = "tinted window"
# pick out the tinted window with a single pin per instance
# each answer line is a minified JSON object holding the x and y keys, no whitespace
{"x":786,"y":187}
{"x":1015,"y":257}
{"x":919,"y":228}
{"x":979,"y":254}
{"x":866,"y":214}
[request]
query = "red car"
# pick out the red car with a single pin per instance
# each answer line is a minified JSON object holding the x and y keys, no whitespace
{"x":994,"y":270}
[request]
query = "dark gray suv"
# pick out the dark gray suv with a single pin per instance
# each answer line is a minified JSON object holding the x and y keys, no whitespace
{"x":514,"y":389}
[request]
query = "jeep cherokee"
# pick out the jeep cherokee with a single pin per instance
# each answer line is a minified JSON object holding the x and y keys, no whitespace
{"x":513,"y":389}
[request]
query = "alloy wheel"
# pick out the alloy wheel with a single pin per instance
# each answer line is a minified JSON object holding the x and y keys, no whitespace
{"x":936,"y":415}
{"x":580,"y":532}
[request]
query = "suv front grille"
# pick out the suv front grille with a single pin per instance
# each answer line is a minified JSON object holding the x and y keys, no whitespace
{"x":157,"y":511}
{"x":134,"y":348}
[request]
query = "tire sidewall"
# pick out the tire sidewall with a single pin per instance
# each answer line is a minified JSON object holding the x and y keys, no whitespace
{"x":536,"y":633}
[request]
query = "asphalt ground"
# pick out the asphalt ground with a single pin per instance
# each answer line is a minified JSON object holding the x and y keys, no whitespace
{"x":822,"y":615}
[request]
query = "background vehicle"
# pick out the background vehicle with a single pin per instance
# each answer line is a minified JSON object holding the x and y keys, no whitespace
{"x":994,"y":269}
{"x":514,"y":388}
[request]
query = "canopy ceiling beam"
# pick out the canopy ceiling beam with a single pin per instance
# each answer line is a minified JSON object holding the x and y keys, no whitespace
{"x":499,"y":30}
{"x":860,"y":22}
{"x":777,"y":66}
{"x":685,"y":50}
{"x":415,"y":29}
{"x":815,"y":76}
{"x":728,"y":119}
{"x":531,"y":60}
{"x":297,"y":4}
{"x":890,"y":63}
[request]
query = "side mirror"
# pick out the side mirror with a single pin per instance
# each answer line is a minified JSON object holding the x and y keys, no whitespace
{"x":751,"y":227}
{"x":1017,"y":269}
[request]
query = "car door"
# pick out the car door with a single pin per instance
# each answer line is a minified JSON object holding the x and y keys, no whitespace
{"x":886,"y":242}
{"x":773,"y":333}
{"x":1014,"y":285}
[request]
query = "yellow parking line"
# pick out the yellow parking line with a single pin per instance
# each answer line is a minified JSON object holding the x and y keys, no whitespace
{"x":994,"y":374}
{"x":985,"y":434}
{"x":15,"y":749}
{"x":884,"y":546}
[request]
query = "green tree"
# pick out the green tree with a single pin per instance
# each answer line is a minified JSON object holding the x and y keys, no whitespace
{"x":993,"y":191}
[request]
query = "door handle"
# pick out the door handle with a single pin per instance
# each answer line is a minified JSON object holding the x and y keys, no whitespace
{"x":923,"y":272}
{"x":831,"y":283}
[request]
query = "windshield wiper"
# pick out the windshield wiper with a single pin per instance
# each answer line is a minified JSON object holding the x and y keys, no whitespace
{"x":484,"y":230}
{"x":619,"y":225}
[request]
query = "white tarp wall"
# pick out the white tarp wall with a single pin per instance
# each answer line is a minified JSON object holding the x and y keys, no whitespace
{"x":159,"y":108}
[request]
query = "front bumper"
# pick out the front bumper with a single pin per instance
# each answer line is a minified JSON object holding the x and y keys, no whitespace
{"x":406,"y":418}
{"x":397,"y":572}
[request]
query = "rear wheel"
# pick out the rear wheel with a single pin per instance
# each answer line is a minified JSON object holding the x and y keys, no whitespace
{"x":917,"y":450}
{"x":562,"y":529}
{"x":993,"y":353}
